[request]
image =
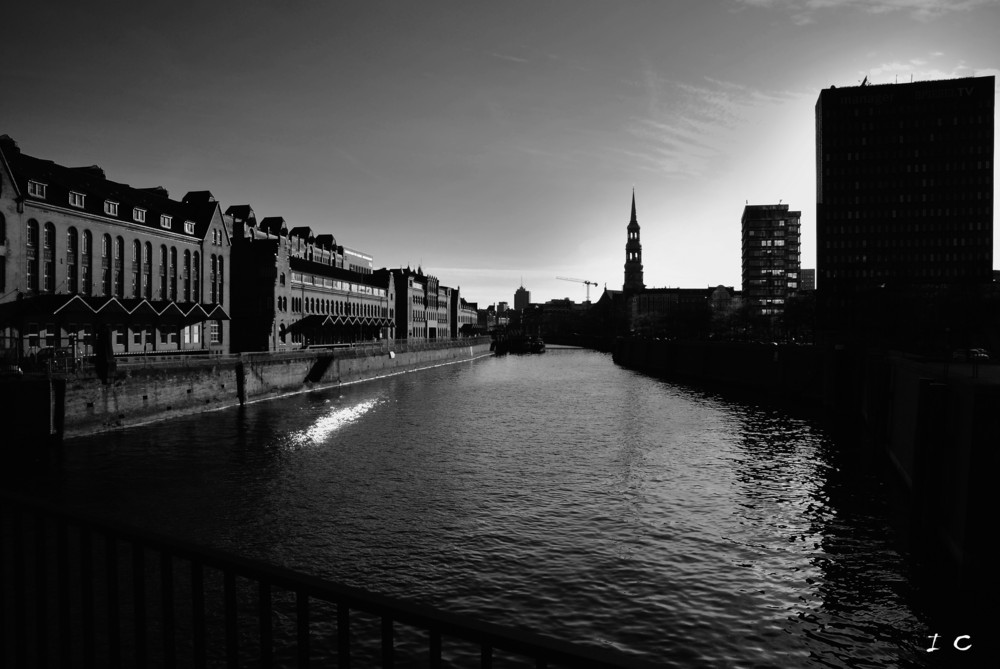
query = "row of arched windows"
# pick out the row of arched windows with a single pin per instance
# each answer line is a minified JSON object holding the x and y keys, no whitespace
{"x":178,"y":274}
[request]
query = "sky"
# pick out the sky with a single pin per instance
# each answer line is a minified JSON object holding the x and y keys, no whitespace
{"x":493,"y":144}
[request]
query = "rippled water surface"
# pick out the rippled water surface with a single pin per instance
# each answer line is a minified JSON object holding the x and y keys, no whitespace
{"x":557,"y":492}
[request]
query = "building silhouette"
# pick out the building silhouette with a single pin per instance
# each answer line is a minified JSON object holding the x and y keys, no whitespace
{"x":633,"y":256}
{"x":904,"y":214}
{"x":771,"y":257}
{"x":522,"y":298}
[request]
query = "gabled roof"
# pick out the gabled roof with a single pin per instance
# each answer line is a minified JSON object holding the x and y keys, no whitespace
{"x":303,"y":231}
{"x":274,"y":225}
{"x":90,"y":181}
{"x":243,"y":213}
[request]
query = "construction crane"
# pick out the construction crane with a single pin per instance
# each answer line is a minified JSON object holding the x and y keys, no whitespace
{"x":588,"y":283}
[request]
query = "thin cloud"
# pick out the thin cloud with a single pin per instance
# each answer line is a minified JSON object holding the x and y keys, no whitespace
{"x":916,"y":68}
{"x":507,"y":57}
{"x":690,"y":128}
{"x":804,"y":11}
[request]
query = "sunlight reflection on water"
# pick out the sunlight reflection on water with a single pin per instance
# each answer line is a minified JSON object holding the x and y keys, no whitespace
{"x":317,"y":433}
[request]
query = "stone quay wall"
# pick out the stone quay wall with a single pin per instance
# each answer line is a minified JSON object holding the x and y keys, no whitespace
{"x":75,"y":404}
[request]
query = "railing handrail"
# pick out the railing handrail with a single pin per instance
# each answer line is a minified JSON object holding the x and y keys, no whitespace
{"x":488,"y":635}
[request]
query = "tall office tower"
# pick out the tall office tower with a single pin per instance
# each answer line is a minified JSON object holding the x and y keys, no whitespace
{"x":522,"y":298}
{"x":771,"y":256}
{"x":904,"y":184}
{"x":633,"y":257}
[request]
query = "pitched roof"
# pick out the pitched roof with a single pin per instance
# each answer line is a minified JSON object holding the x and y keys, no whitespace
{"x":273,"y":225}
{"x":90,"y":181}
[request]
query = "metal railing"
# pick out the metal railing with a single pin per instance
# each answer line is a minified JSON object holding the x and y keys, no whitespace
{"x":75,"y":591}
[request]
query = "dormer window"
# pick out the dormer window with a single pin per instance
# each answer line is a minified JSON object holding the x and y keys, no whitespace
{"x":189,"y":227}
{"x":110,"y":208}
{"x":76,"y":199}
{"x":36,"y":189}
{"x":139,"y":215}
{"x":165,"y":221}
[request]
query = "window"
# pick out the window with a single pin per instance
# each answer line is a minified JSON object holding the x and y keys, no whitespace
{"x":31,"y":244}
{"x":36,"y":189}
{"x":147,"y":271}
{"x":139,"y":215}
{"x":76,"y":199}
{"x":189,"y":227}
{"x":196,"y":286}
{"x":165,"y":221}
{"x":110,"y":208}
{"x":72,"y":250}
{"x":48,"y":258}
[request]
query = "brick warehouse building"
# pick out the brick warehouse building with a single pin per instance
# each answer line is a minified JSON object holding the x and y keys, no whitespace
{"x":292,"y":288}
{"x":84,"y":257}
{"x":904,"y":212}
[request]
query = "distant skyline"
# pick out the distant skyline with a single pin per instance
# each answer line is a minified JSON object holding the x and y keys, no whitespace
{"x":492,"y":144}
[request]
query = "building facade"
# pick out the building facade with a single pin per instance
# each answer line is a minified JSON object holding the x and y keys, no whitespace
{"x":771,"y":257}
{"x":904,"y":185}
{"x":87,"y":262}
{"x":292,"y":289}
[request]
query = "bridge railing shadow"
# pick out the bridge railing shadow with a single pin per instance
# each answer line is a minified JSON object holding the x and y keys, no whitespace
{"x":78,"y":591}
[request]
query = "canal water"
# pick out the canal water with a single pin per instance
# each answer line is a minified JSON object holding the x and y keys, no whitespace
{"x":556,"y":492}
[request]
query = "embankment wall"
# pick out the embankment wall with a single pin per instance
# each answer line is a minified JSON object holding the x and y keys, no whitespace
{"x":81,"y":403}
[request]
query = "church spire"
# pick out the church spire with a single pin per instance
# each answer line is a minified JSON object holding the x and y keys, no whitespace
{"x":633,"y":256}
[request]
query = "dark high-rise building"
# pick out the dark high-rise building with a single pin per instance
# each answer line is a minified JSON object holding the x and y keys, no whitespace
{"x":904,"y":181}
{"x":633,"y":256}
{"x":522,"y":298}
{"x":771,"y":256}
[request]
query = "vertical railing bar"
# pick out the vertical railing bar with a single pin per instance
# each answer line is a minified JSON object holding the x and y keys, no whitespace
{"x":266,"y":632}
{"x":302,"y":613}
{"x":343,"y":635}
{"x":5,"y":566}
{"x":20,"y":591}
{"x":4,"y":596}
{"x":167,"y":601}
{"x":198,"y":613}
{"x":62,"y":592}
{"x":486,"y":655}
{"x":232,"y":641}
{"x":139,"y":601}
{"x":434,"y":651}
{"x":87,"y":598}
{"x":41,"y":594}
{"x":387,"y":645}
{"x":114,"y":602}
